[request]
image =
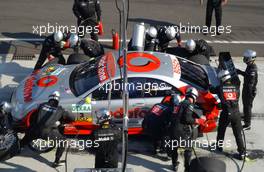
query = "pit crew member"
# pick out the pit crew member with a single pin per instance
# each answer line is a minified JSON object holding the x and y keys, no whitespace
{"x":47,"y":123}
{"x":53,"y":45}
{"x":229,"y":95}
{"x":250,"y":85}
{"x":183,"y":124}
{"x":88,"y":13}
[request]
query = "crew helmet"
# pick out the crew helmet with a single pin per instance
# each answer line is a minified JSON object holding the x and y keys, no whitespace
{"x":152,"y":32}
{"x":58,"y":36}
{"x":192,"y":92}
{"x":74,"y":39}
{"x":190,"y":45}
{"x":103,"y":115}
{"x":55,"y":96}
{"x":249,"y":55}
{"x":224,"y":75}
{"x":170,"y":32}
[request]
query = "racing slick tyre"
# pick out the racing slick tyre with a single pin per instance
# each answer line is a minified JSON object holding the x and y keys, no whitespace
{"x":77,"y":59}
{"x":9,"y":146}
{"x":200,"y":59}
{"x":38,"y":146}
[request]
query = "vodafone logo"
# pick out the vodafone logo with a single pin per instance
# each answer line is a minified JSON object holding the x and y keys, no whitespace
{"x":152,"y":64}
{"x":230,"y":96}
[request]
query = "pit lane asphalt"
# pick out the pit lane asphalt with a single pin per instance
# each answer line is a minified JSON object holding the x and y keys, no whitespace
{"x":246,"y":18}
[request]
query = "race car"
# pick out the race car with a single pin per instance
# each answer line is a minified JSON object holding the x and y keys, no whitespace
{"x":86,"y":88}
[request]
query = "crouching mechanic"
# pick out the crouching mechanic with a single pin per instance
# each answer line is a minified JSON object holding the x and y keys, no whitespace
{"x":229,"y":95}
{"x":165,"y":35}
{"x":198,"y":51}
{"x":53,"y":45}
{"x":47,"y":124}
{"x":156,"y":122}
{"x":182,"y":128}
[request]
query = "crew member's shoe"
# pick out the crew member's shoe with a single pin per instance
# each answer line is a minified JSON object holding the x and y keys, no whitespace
{"x":175,"y":166}
{"x":246,"y":127}
{"x":219,"y":149}
{"x":241,"y":156}
{"x":57,"y":163}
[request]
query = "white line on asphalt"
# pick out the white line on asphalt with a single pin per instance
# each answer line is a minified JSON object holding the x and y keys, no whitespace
{"x":110,"y":40}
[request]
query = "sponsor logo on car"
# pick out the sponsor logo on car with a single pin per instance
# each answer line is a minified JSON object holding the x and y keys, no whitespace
{"x":85,"y":108}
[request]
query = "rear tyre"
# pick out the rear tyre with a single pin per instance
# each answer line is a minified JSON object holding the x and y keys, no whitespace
{"x":9,"y":145}
{"x":77,"y":59}
{"x":200,"y":59}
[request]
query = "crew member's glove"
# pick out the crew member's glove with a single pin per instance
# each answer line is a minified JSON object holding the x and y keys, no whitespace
{"x":211,"y":116}
{"x":200,"y":121}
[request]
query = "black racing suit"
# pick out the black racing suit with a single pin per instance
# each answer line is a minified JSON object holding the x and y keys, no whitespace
{"x":88,"y":13}
{"x":108,"y":136}
{"x":183,"y":119}
{"x":155,"y":124}
{"x":229,"y":95}
{"x":217,"y":6}
{"x":249,"y":90}
{"x":50,"y":47}
{"x":43,"y":126}
{"x":163,"y":40}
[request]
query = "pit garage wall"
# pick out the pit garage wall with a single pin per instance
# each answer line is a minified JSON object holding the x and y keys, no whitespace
{"x":14,"y":71}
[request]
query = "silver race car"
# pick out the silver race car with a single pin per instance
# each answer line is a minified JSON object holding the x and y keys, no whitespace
{"x":86,"y":88}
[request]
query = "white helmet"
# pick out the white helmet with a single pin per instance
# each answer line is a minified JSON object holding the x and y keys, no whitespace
{"x":58,"y":36}
{"x":74,"y":39}
{"x":55,"y":96}
{"x":6,"y":107}
{"x":190,"y":45}
{"x":192,"y":92}
{"x":224,"y":75}
{"x":103,"y":115}
{"x":249,"y":55}
{"x":176,"y":98}
{"x":170,"y":33}
{"x":152,"y":32}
